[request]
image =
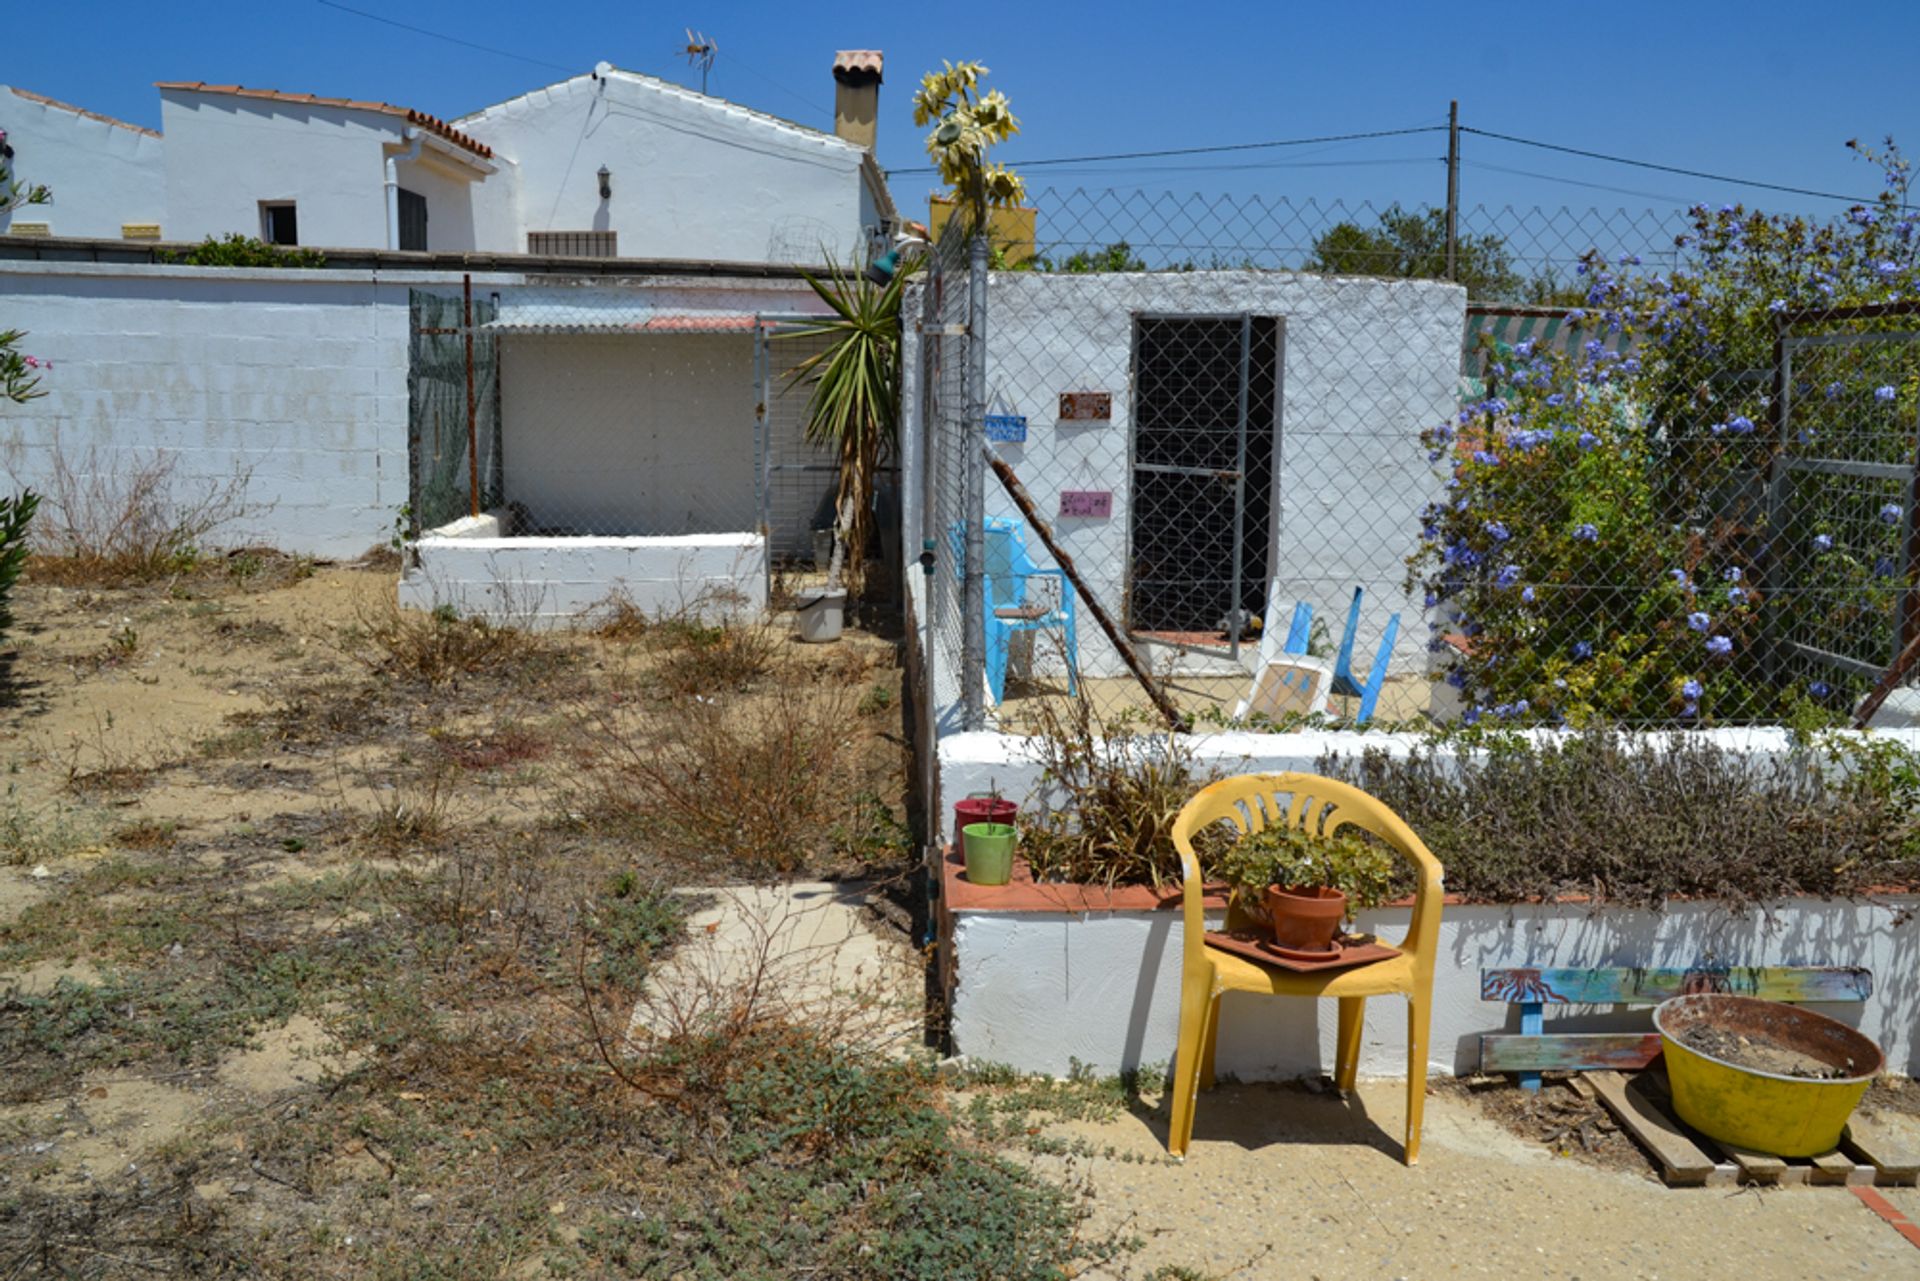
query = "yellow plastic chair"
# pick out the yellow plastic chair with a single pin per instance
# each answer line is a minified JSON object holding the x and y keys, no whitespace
{"x":1321,"y":805}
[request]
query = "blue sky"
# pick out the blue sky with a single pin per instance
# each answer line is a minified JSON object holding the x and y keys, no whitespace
{"x":1762,"y":89}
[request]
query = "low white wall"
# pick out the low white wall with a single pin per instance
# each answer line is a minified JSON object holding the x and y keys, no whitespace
{"x":1040,"y":991}
{"x":552,"y":581}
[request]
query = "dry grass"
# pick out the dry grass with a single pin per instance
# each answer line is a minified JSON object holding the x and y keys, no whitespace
{"x":439,"y":646}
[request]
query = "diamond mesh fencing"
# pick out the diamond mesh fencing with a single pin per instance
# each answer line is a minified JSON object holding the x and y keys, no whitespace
{"x":601,"y":410}
{"x":1654,"y":469}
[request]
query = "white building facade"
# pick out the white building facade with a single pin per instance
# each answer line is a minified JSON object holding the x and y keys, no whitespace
{"x":107,"y":176}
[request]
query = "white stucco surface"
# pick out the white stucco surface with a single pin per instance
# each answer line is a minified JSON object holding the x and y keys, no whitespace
{"x":225,"y":154}
{"x":1041,"y":991}
{"x":1366,"y":365}
{"x":630,"y":434}
{"x":103,"y":173}
{"x":553,"y":581}
{"x":298,"y":378}
{"x":691,"y":176}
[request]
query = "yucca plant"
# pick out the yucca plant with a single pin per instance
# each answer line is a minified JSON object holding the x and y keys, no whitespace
{"x":853,"y":407}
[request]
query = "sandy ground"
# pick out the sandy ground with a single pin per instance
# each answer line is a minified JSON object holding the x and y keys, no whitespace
{"x":1284,"y":1183}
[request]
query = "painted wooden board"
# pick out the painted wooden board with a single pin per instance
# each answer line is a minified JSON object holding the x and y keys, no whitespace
{"x":1568,"y":1051}
{"x":1639,"y":986}
{"x":1681,"y":1160}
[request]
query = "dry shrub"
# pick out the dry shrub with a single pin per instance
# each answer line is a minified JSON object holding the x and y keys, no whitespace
{"x":1638,"y":819}
{"x":509,"y":745}
{"x":439,"y":645}
{"x":413,"y":812}
{"x":701,"y":647}
{"x":1115,"y":787}
{"x":764,"y":783}
{"x":130,"y":517}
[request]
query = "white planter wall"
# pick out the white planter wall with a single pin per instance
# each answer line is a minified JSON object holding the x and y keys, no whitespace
{"x":553,"y":581}
{"x":1040,"y":991}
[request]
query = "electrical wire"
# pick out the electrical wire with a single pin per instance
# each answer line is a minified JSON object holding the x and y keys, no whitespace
{"x":1201,"y":151}
{"x":1571,"y":182}
{"x":1648,"y":164}
{"x":435,"y":35}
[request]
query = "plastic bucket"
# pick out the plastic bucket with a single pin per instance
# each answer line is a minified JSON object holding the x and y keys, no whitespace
{"x":981,"y":809}
{"x":1765,"y":1111}
{"x":989,"y":852}
{"x":823,"y":617}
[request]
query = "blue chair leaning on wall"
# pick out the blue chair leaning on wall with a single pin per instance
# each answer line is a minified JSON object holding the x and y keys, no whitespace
{"x":1010,"y":605}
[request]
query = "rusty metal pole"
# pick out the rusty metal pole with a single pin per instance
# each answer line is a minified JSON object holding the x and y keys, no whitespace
{"x":473,"y":446}
{"x":1024,"y":501}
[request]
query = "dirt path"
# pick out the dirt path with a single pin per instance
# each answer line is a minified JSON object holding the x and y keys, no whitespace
{"x":1284,"y":1183}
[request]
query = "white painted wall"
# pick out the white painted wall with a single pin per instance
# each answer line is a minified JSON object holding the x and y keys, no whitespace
{"x":1040,"y":990}
{"x":102,"y":174}
{"x":466,"y":209}
{"x":1367,"y":364}
{"x":620,"y":434}
{"x":553,"y":581}
{"x":299,"y":377}
{"x":692,"y":176}
{"x":226,"y":154}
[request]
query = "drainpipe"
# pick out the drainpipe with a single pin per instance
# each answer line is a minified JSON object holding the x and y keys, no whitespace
{"x":393,"y":184}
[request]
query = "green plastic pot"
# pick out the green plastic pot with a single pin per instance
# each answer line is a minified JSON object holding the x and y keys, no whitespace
{"x":989,"y":852}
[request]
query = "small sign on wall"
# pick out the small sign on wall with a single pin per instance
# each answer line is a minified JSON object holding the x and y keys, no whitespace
{"x":1007,"y":429}
{"x":1086,"y":406}
{"x":1097,"y":503}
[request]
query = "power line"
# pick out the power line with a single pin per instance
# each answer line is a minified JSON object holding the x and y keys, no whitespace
{"x":435,"y":35}
{"x":1648,"y":164}
{"x":1202,"y":151}
{"x":1250,"y":165}
{"x":1573,"y":182}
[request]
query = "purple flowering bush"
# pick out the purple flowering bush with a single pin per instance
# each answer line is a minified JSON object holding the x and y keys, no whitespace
{"x":1618,"y":538}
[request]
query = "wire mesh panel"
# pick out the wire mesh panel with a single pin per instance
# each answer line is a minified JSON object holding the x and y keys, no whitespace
{"x":1654,"y":468}
{"x":452,"y":375}
{"x":798,"y":477}
{"x":953,"y":467}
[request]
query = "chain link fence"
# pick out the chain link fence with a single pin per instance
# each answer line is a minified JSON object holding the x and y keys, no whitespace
{"x":592,"y":439}
{"x":1649,"y":468}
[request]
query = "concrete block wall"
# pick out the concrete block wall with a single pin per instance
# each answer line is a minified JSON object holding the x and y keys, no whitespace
{"x":297,"y":378}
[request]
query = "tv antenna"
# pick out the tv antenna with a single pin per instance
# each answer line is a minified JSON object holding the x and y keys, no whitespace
{"x":700,"y":52}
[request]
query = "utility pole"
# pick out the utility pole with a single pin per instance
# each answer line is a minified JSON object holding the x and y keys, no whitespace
{"x":1453,"y":189}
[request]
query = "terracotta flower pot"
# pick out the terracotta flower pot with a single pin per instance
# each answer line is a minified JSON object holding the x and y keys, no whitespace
{"x":1305,"y":918}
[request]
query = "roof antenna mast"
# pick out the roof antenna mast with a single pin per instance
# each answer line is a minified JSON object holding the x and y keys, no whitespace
{"x":700,"y":52}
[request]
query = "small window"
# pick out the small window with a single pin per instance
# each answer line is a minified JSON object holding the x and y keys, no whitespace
{"x":278,"y":223}
{"x":574,"y":244}
{"x":413,"y":221}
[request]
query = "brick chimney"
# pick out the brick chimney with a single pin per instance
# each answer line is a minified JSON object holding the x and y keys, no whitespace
{"x":856,"y":95}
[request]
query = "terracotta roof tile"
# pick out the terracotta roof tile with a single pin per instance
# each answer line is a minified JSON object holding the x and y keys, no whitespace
{"x":45,"y":101}
{"x":433,"y":124}
{"x":857,"y":62}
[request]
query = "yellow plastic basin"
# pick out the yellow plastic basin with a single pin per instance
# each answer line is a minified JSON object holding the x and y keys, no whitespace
{"x":1765,"y":1111}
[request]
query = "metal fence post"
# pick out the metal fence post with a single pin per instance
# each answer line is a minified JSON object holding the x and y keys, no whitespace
{"x":973,"y":635}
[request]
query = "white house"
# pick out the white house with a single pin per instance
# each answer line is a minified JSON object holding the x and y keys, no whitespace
{"x":105,"y":174}
{"x":615,"y":163}
{"x":296,"y":169}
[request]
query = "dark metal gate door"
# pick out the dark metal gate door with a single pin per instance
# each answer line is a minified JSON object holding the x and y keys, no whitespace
{"x":1845,"y":549}
{"x":1197,"y":570}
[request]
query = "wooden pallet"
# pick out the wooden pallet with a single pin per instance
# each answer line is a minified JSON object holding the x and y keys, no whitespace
{"x":1641,"y":1104}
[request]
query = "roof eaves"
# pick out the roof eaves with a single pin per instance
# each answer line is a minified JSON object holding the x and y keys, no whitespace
{"x":432,"y":124}
{"x":45,"y":101}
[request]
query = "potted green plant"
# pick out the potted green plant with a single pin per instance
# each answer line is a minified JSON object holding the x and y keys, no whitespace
{"x":1303,"y":886}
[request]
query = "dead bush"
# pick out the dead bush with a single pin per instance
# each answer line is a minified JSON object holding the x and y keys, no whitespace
{"x":439,"y":645}
{"x":130,"y":517}
{"x":766,"y":784}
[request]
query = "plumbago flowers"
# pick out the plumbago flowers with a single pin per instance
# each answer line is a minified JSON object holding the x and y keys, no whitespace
{"x":1613,"y":540}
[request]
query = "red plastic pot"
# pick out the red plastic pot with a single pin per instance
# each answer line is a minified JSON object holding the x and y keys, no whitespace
{"x":981,"y":809}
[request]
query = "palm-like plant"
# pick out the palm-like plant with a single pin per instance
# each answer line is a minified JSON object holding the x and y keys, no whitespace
{"x":853,"y":407}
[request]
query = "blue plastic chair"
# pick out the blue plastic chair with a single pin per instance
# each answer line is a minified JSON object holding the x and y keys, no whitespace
{"x":1343,"y":682}
{"x":1009,"y":607}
